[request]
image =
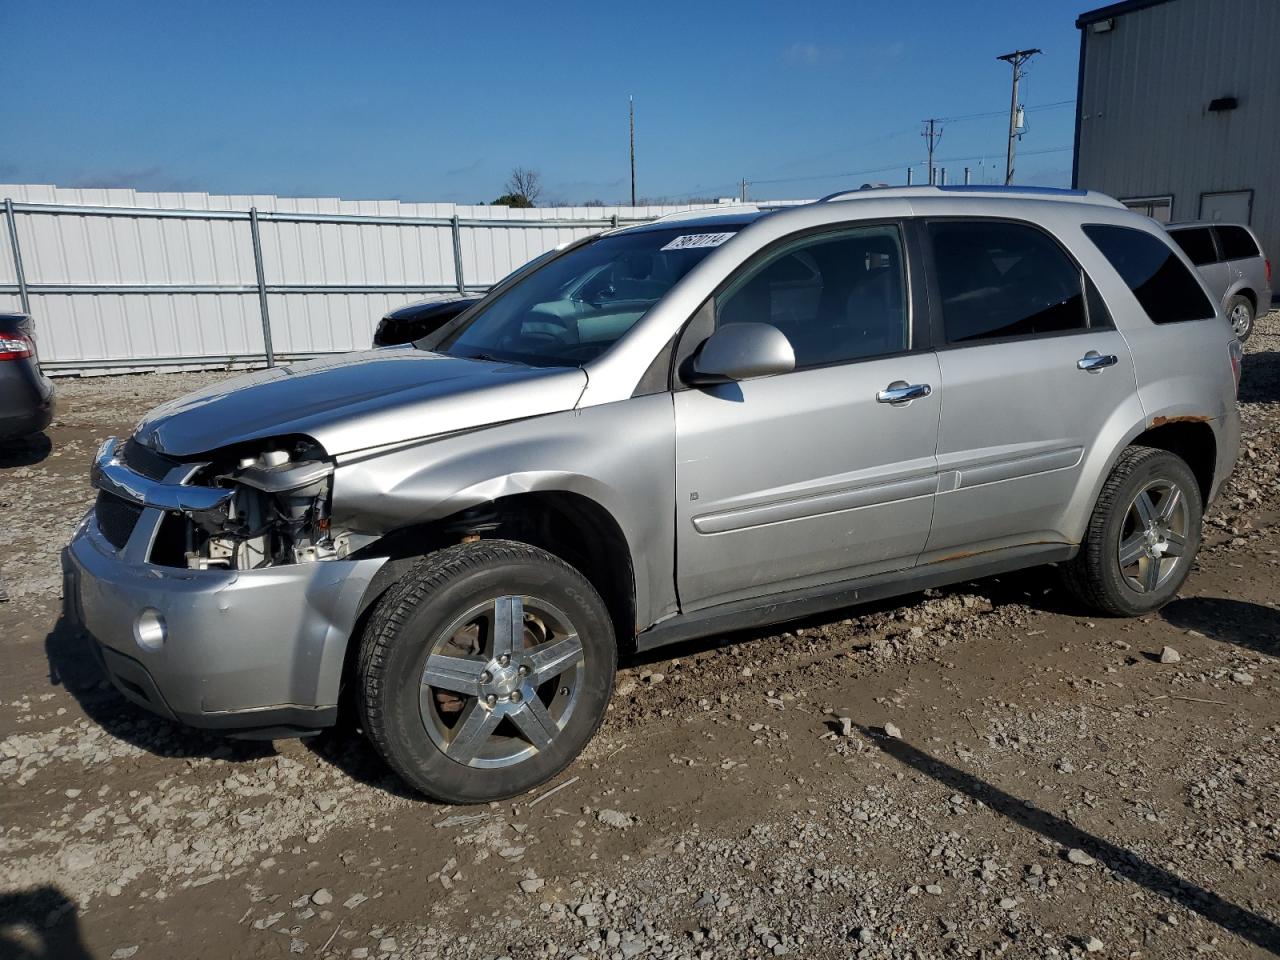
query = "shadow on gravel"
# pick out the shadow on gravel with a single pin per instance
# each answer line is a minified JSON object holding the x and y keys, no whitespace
{"x":1246,"y":924}
{"x":40,"y":924}
{"x":74,"y":666}
{"x":1035,"y":587}
{"x":1260,"y":378}
{"x":346,"y":748}
{"x":26,"y":452}
{"x":1250,"y":625}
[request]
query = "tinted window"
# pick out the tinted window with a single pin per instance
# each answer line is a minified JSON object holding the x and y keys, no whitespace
{"x":1004,"y":280}
{"x":1196,"y":244}
{"x":837,"y":297}
{"x":1166,"y":289}
{"x":1236,"y":243}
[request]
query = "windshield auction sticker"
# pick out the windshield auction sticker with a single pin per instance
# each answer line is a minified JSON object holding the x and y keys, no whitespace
{"x":693,"y":241}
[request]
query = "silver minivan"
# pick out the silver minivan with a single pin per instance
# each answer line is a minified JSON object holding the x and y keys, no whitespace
{"x":708,"y":422}
{"x":1233,"y":266}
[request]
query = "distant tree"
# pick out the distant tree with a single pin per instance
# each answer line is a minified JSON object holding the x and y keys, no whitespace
{"x":512,"y":200}
{"x":524,"y":188}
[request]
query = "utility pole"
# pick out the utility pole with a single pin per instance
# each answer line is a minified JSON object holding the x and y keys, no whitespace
{"x":1017,"y":60}
{"x":932,"y":137}
{"x":631,"y":110}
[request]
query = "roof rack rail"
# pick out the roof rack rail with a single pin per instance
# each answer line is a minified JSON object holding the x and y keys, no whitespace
{"x":986,"y":189}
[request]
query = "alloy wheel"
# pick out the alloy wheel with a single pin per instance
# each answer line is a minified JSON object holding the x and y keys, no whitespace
{"x":1241,"y":319}
{"x":1153,"y":538}
{"x":500,"y":683}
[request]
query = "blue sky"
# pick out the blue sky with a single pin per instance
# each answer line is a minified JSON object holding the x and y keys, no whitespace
{"x":434,"y":101}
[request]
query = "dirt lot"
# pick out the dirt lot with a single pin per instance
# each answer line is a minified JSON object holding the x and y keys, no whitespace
{"x":1046,"y":787}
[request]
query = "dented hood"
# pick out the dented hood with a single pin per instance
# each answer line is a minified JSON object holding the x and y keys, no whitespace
{"x":359,"y":400}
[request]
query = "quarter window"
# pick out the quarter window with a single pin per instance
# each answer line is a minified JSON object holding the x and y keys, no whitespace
{"x":1000,"y":280}
{"x":1197,"y":244}
{"x":1167,"y":290}
{"x":1237,"y":244}
{"x":837,"y":297}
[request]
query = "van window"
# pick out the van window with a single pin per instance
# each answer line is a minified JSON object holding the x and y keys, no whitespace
{"x":1197,"y":244}
{"x":1166,"y":289}
{"x":1237,"y":244}
{"x":999,"y":279}
{"x":837,"y":297}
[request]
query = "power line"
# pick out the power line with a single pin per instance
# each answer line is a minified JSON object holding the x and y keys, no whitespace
{"x":1004,"y":113}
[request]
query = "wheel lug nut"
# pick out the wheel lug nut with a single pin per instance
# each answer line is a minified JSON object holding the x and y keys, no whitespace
{"x":486,"y":677}
{"x":491,"y":699}
{"x":515,"y":696}
{"x":504,"y":660}
{"x":524,"y":671}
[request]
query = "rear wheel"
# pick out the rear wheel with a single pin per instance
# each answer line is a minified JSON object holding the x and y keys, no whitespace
{"x":1240,"y":314}
{"x":1142,"y":538}
{"x":485,"y":671}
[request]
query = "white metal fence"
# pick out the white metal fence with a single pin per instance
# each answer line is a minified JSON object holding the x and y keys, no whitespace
{"x":123,"y":281}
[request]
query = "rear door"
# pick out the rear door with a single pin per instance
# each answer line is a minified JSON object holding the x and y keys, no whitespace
{"x":1031,"y":370}
{"x":1201,"y":247}
{"x":814,"y":476}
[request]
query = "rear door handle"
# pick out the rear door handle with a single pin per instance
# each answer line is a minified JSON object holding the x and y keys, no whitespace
{"x":1094,"y":361}
{"x":901,"y":392}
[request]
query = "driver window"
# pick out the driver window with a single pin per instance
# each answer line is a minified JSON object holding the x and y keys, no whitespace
{"x":837,"y":297}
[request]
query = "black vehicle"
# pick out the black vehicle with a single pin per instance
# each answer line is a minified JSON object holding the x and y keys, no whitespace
{"x":415,"y":321}
{"x":26,"y":395}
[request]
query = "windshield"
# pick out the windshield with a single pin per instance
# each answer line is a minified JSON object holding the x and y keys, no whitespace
{"x":581,"y":303}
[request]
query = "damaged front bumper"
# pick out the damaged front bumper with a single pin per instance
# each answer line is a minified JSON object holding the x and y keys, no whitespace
{"x":250,"y":652}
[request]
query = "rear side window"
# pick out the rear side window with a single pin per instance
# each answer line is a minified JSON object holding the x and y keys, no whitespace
{"x":1196,"y":244}
{"x":1237,"y":244}
{"x":1000,"y":280}
{"x":1166,"y":289}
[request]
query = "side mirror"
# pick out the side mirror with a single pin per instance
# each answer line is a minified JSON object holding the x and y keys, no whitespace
{"x":741,"y":351}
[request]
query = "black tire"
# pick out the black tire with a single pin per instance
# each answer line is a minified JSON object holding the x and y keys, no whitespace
{"x":1244,"y":328}
{"x":1095,"y":575}
{"x":409,"y":622}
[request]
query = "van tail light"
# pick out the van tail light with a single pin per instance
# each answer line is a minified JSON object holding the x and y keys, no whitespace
{"x":1236,"y":351}
{"x":15,"y":346}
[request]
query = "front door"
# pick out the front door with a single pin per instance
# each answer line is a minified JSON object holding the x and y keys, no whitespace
{"x":818,"y":475}
{"x":1032,"y":377}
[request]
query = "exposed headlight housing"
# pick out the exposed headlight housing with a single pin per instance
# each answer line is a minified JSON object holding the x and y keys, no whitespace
{"x":278,"y":512}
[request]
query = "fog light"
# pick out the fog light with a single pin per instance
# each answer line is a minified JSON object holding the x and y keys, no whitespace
{"x":149,"y":630}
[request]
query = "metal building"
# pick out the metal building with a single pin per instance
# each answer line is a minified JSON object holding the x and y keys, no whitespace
{"x":1178,"y":110}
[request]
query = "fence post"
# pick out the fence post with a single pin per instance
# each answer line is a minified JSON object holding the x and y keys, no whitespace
{"x":457,"y":254}
{"x":17,"y":255}
{"x":262,"y":287}
{"x":614,"y":221}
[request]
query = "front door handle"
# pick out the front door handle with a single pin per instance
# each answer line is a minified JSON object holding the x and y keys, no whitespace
{"x":902,"y":392}
{"x":1093,"y":361}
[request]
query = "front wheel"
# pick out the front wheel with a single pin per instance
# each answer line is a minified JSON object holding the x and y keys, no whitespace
{"x":485,"y":671}
{"x":1142,"y":538}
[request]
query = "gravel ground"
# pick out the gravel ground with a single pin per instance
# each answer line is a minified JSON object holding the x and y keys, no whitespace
{"x":979,"y":771}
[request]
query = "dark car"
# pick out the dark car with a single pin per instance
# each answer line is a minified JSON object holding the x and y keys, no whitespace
{"x":26,"y":395}
{"x":415,"y":321}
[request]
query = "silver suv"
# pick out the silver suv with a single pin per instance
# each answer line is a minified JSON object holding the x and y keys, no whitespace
{"x":1232,"y":265}
{"x":662,"y":432}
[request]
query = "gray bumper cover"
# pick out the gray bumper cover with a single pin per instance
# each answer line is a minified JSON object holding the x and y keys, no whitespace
{"x":244,"y":649}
